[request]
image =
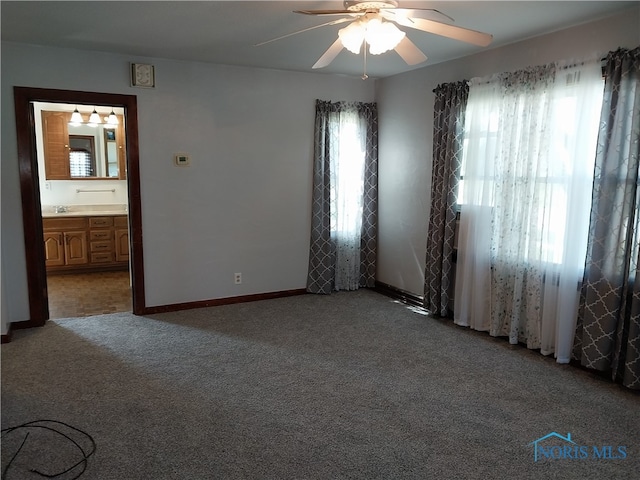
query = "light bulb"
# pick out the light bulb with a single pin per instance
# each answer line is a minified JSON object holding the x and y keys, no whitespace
{"x":382,"y":36}
{"x":352,"y":36}
{"x":76,"y":119}
{"x":94,"y":119}
{"x":112,"y":119}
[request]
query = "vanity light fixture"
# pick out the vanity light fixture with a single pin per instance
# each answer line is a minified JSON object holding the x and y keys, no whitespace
{"x":112,"y":119}
{"x":94,"y":119}
{"x":76,"y":118}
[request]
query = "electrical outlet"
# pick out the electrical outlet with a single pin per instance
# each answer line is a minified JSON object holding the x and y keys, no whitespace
{"x":237,"y":278}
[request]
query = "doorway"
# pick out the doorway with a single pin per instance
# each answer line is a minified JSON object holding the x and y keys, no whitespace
{"x":81,"y":154}
{"x":24,"y":98}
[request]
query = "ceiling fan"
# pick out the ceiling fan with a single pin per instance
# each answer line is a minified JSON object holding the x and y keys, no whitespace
{"x":373,"y":23}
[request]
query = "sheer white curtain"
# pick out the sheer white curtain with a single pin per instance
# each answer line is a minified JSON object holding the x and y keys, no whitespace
{"x":530,"y":139}
{"x":347,"y":184}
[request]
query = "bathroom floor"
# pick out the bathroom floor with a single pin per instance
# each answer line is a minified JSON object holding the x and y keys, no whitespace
{"x":86,"y":294}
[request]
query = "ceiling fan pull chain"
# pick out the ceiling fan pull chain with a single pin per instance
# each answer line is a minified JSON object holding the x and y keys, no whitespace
{"x":364,"y":70}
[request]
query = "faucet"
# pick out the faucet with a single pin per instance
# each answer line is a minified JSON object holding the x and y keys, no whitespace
{"x":61,"y":209}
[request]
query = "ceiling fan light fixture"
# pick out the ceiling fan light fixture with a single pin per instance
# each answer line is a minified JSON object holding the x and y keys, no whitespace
{"x":382,"y":36}
{"x":373,"y":22}
{"x":352,"y":36}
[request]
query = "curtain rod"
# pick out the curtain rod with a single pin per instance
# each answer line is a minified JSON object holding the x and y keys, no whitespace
{"x":603,"y":62}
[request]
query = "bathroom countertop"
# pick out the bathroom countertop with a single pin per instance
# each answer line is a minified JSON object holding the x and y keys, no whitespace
{"x":49,"y":211}
{"x":86,"y":213}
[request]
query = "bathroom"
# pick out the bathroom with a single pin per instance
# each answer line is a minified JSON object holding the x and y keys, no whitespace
{"x":82,"y":179}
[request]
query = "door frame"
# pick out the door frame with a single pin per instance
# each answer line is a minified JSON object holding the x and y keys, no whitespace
{"x":30,"y":192}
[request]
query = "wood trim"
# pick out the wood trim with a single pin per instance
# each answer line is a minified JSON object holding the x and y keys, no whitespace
{"x":30,"y":192}
{"x":31,"y":207}
{"x":135,"y":206}
{"x":399,"y":294}
{"x":6,"y":337}
{"x":223,"y":301}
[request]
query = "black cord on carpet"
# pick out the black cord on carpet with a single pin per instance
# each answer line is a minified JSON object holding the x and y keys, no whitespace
{"x":46,"y":425}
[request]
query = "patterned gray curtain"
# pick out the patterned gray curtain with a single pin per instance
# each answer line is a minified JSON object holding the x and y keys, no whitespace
{"x":322,"y":251}
{"x":369,"y":232}
{"x":448,"y":130}
{"x":322,"y":256}
{"x":608,"y":327}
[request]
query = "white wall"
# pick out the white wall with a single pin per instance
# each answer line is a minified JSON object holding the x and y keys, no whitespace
{"x":405,"y":106}
{"x":243,"y":205}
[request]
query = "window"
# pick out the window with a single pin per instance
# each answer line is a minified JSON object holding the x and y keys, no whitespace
{"x":530,"y":154}
{"x":525,"y":204}
{"x":342,"y":255}
{"x":82,"y":161}
{"x":347,"y":185}
{"x":347,"y":182}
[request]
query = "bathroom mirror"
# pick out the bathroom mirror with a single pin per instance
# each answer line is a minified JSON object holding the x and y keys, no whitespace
{"x":82,"y":156}
{"x":80,"y":150}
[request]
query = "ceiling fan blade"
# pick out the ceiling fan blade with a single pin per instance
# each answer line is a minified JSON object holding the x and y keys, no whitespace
{"x":445,"y":30}
{"x":428,"y":13}
{"x":324,"y":12}
{"x":333,"y":22}
{"x":329,"y":55}
{"x":409,"y":52}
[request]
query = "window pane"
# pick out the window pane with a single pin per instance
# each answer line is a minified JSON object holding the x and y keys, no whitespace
{"x":80,"y":163}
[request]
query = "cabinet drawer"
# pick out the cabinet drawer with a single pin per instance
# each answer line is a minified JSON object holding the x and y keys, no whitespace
{"x":121,"y":221}
{"x":100,"y":222}
{"x":106,"y":246}
{"x":66,"y":223}
{"x":100,"y":235}
{"x":102,"y":257}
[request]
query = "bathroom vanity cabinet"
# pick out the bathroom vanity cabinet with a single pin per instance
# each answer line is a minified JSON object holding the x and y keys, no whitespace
{"x":86,"y":243}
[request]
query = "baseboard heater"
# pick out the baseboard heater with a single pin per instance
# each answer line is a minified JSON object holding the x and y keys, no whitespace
{"x":399,"y":294}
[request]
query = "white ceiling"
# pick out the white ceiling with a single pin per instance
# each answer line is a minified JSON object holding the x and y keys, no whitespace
{"x":225,"y":32}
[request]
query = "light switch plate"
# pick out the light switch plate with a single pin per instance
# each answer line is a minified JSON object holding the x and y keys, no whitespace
{"x":182,"y":159}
